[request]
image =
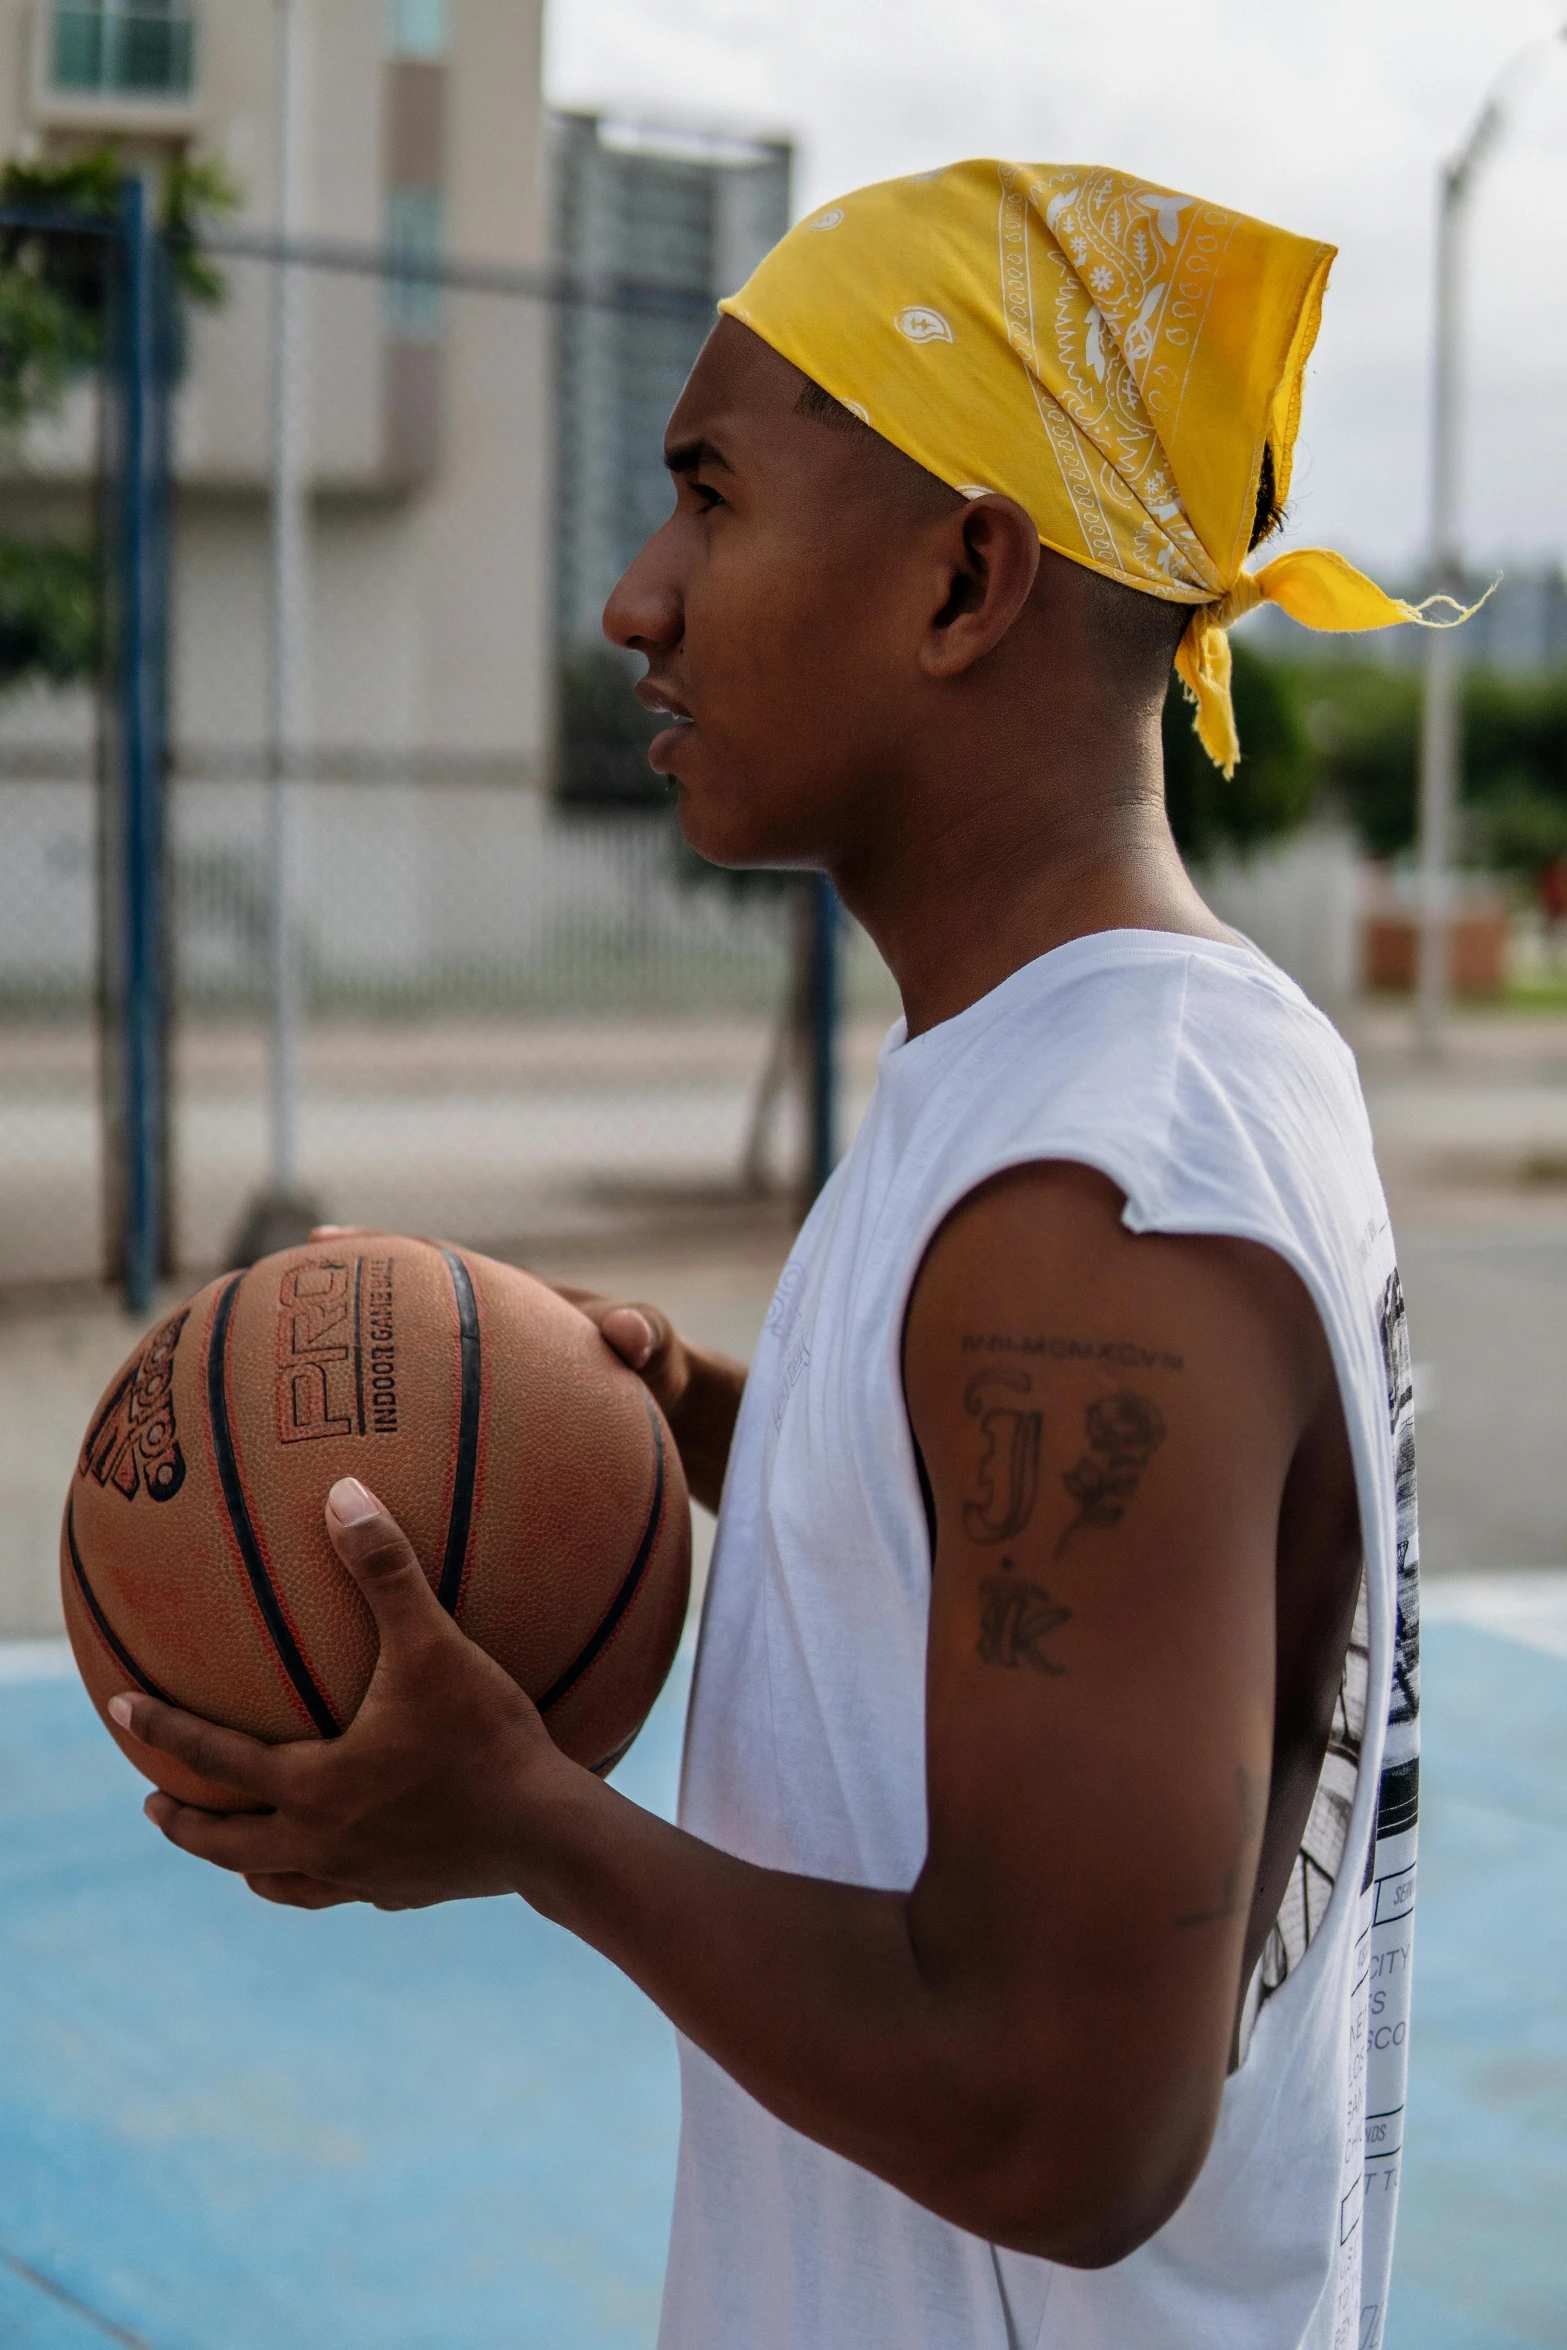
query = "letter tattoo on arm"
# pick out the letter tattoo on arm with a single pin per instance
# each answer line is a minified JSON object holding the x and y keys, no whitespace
{"x":1009,"y":1465}
{"x":1016,"y":1619}
{"x":1124,"y":1433}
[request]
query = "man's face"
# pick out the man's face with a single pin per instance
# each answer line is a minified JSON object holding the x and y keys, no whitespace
{"x":781,"y":609}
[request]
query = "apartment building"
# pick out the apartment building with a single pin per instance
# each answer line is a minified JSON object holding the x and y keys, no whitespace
{"x":674,"y":209}
{"x":424,"y":412}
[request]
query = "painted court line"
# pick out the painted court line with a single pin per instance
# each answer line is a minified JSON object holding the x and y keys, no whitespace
{"x":36,"y":1660}
{"x":1527,"y":1604}
{"x":82,"y":2309}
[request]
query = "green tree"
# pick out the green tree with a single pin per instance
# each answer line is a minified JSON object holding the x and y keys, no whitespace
{"x":52,"y":315}
{"x":1274,"y":784}
{"x":1365,"y":720}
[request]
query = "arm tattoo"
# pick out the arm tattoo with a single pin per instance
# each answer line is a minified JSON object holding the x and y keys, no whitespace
{"x":1124,"y":1433}
{"x":1248,"y":1789}
{"x":1009,"y":1465}
{"x":1016,"y":1619}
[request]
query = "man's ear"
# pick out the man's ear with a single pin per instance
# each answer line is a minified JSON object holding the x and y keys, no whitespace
{"x":991,"y":560}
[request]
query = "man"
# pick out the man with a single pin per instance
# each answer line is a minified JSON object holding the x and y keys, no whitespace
{"x":1018,"y":1925}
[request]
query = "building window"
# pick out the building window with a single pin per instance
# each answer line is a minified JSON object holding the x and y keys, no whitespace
{"x":418,"y":28}
{"x":123,"y":48}
{"x":415,"y":229}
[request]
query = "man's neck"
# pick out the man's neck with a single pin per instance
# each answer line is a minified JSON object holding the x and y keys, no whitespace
{"x":976,"y":874}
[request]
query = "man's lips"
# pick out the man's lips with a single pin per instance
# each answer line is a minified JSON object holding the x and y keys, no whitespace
{"x":661,"y":702}
{"x":664,"y":705}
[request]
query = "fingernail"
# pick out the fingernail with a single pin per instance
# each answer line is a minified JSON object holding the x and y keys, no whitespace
{"x":639,"y":1354}
{"x":120,"y":1708}
{"x":349,"y":1501}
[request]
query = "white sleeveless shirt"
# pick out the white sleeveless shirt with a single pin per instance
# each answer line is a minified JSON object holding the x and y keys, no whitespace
{"x":1206,"y":1087}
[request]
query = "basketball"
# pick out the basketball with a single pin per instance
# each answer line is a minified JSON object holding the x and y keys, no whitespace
{"x":530,"y":1469}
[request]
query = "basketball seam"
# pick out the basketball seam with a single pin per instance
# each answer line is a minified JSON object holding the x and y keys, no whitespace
{"x":100,"y":1622}
{"x":290,"y":1655}
{"x":465,"y":1467}
{"x":609,"y":1623}
{"x":602,"y":1769}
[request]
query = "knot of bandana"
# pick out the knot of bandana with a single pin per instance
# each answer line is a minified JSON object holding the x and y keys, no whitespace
{"x":1117,"y":357}
{"x":1315,"y":587}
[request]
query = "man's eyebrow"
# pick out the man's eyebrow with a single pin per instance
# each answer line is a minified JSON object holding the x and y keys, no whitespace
{"x":693,"y":456}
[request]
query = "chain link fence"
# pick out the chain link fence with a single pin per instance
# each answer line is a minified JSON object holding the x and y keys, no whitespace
{"x":522,"y":1017}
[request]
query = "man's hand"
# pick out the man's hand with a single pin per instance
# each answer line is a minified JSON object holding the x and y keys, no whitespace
{"x":696,"y":1388}
{"x":427,"y":1795}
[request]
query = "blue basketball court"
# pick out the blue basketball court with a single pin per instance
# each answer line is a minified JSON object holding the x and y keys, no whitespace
{"x":228,"y":2127}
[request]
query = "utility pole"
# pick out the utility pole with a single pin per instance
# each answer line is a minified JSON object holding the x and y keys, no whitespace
{"x":1441,"y":722}
{"x":134,"y":953}
{"x":290,"y":526}
{"x":279,"y":1216}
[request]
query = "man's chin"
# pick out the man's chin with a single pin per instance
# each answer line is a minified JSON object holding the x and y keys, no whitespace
{"x":725,"y":836}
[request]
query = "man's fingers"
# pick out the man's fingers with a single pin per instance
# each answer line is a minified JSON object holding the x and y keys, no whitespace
{"x":227,"y":1756}
{"x":291,"y":1891}
{"x":383,"y":1562}
{"x":645,"y":1340}
{"x":631,"y":1331}
{"x":242,"y":1840}
{"x":637,"y":1333}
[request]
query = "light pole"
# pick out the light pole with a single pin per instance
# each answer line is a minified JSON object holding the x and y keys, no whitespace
{"x":1441,"y":716}
{"x":290,"y":523}
{"x":278,"y":1217}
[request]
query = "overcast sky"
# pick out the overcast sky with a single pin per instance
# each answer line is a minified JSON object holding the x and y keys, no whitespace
{"x":1328,"y":116}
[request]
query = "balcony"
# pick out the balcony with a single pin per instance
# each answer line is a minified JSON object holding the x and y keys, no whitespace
{"x":111,"y":65}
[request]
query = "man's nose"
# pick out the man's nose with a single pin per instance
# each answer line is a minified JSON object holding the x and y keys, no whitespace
{"x":645,"y":612}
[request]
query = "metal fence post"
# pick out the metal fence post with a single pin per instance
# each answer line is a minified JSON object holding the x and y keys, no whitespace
{"x":822,"y":979}
{"x":134,"y":959}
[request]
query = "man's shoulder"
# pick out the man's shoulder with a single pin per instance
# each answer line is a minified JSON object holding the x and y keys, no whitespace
{"x":1131,"y":1013}
{"x":1195,"y":1074}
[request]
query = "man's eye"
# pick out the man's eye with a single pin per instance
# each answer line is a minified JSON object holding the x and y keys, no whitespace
{"x":709,"y":497}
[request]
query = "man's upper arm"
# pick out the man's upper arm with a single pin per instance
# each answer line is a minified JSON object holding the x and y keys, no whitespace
{"x":1106,"y":1422}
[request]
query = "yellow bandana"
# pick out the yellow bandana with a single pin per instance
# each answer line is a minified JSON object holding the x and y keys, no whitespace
{"x":1112,"y":355}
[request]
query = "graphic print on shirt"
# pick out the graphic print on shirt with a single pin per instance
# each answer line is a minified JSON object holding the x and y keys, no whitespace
{"x":783,"y":1326}
{"x":1391,"y":1870}
{"x":1321,"y":1853}
{"x":1322,"y":1847}
{"x":1401,"y":1413}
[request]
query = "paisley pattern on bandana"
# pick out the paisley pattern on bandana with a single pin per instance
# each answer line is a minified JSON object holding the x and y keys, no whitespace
{"x":1122,"y":273}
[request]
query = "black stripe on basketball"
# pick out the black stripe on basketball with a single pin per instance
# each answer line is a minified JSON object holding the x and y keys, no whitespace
{"x":449,"y":1589}
{"x":628,"y":1589}
{"x":112,"y":1640}
{"x":601,"y":1770}
{"x":311,"y":1695}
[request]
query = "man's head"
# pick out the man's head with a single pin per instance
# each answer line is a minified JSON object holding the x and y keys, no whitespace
{"x":836,"y":629}
{"x":997,"y":442}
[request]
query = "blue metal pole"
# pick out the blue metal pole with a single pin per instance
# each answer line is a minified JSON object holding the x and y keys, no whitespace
{"x":141,"y":601}
{"x":823,"y":970}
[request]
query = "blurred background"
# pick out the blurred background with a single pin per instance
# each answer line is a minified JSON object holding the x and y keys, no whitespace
{"x":336,"y":342}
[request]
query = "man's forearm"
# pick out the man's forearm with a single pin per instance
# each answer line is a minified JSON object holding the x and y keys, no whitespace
{"x":812,"y":1996}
